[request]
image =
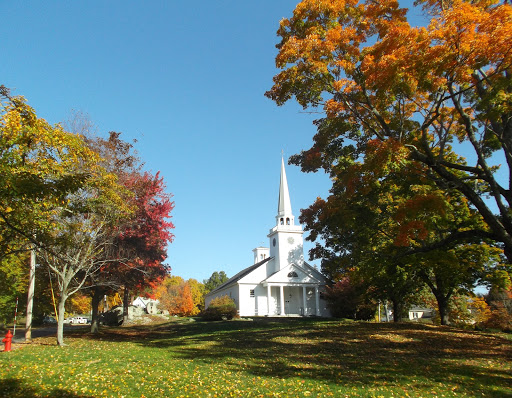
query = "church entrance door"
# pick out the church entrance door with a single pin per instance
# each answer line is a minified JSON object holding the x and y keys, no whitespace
{"x":293,"y":300}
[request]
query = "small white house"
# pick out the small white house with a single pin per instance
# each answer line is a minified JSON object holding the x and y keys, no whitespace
{"x":149,"y":305}
{"x":416,"y":313}
{"x":280,"y":282}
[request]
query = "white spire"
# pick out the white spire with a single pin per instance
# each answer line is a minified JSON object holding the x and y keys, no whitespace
{"x":284,"y":207}
{"x":285,"y":238}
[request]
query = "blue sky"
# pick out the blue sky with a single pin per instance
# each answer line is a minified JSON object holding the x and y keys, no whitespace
{"x":187,"y":81}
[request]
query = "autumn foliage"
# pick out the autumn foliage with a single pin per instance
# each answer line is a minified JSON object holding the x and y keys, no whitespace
{"x":416,"y":91}
{"x":96,"y":219}
{"x":348,"y":299}
{"x":220,"y":308}
{"x":175,"y":296}
{"x":143,"y":238}
{"x":416,"y":121}
{"x":500,"y":307}
{"x":79,"y":304}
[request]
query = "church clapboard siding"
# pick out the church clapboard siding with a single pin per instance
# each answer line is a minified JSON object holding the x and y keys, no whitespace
{"x":280,"y":282}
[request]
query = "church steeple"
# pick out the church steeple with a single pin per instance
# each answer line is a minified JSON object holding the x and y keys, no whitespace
{"x":284,"y":207}
{"x":286,"y":237}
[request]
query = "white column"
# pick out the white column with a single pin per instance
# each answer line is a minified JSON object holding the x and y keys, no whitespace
{"x":269,"y":296}
{"x":281,"y":292}
{"x":304,"y":300}
{"x":317,"y":301}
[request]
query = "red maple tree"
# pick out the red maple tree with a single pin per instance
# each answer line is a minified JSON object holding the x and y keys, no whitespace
{"x":139,"y":244}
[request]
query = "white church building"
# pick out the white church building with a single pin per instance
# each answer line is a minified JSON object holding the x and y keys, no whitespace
{"x":280,"y":282}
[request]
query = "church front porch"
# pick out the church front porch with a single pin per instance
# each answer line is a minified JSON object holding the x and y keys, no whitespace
{"x":301,"y":300}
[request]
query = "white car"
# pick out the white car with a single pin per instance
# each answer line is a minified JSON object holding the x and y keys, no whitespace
{"x":79,"y":320}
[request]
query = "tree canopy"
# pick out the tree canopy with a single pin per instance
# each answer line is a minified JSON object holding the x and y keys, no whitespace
{"x":83,"y":202}
{"x":215,"y":280}
{"x":427,"y":94}
{"x":41,"y":166}
{"x":416,"y":135}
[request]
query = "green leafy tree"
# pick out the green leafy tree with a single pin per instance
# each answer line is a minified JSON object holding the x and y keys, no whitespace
{"x":13,"y":284}
{"x":214,"y":281}
{"x":74,"y":257}
{"x":388,"y":225}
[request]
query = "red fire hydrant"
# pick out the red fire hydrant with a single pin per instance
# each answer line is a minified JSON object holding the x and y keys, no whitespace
{"x":7,"y":340}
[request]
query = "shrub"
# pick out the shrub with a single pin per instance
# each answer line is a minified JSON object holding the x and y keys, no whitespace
{"x":500,"y":303}
{"x":465,"y":310}
{"x":220,"y":308}
{"x":499,"y":319}
{"x":347,"y":300}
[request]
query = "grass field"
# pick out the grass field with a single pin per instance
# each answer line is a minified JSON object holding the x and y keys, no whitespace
{"x":262,"y":358}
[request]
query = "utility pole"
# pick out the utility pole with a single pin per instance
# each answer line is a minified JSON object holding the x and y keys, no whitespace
{"x":15,"y":316}
{"x":30,"y":296}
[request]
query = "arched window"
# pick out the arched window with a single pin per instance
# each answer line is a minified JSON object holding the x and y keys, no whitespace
{"x":293,"y":274}
{"x":282,"y":221}
{"x":287,"y":221}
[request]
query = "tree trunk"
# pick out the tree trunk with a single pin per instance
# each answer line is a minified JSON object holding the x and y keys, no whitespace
{"x":126,"y":299}
{"x":95,"y":303}
{"x":397,"y":310}
{"x":442,"y":305}
{"x":60,"y":321}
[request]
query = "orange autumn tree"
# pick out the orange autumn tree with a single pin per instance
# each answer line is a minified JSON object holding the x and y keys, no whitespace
{"x":426,"y":88}
{"x":79,"y":304}
{"x":197,"y":290}
{"x":175,"y":296}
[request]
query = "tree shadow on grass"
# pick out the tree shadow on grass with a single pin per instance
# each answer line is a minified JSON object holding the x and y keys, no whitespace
{"x":342,"y":353}
{"x":14,"y":388}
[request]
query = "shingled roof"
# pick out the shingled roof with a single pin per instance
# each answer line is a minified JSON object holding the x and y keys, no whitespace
{"x":240,"y":275}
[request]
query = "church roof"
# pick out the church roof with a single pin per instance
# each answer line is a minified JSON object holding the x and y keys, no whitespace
{"x":240,"y":275}
{"x":309,"y":274}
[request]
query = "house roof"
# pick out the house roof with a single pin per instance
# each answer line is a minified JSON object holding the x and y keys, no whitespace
{"x":240,"y":275}
{"x":144,"y":301}
{"x":415,"y":308}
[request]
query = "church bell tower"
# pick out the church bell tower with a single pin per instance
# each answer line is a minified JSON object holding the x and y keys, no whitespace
{"x":286,"y":241}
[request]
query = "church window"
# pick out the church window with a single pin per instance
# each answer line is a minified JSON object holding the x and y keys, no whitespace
{"x":282,"y":221}
{"x":287,"y":221}
{"x":251,"y":292}
{"x":293,"y":274}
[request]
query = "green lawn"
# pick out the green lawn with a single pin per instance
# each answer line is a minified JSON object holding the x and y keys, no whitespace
{"x":263,"y":358}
